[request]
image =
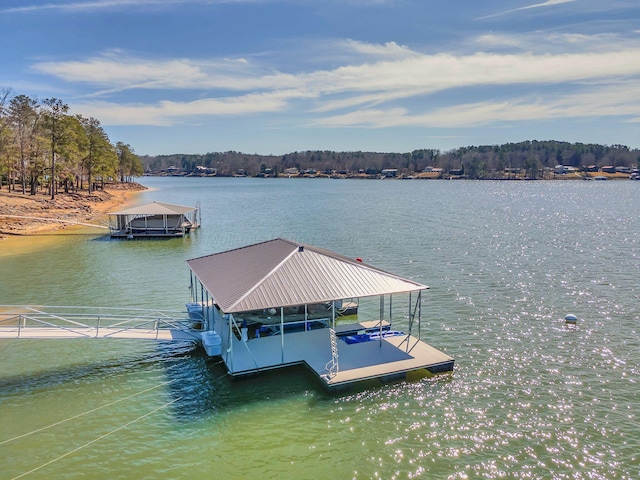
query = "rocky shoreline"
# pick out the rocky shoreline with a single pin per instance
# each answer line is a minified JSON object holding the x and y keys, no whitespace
{"x":24,"y":214}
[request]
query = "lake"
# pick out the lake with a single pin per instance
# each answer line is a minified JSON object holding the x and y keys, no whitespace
{"x":506,"y":261}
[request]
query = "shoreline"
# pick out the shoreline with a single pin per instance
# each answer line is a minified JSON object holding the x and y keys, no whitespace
{"x":22,"y":214}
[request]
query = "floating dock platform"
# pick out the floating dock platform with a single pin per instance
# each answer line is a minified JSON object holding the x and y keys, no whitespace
{"x":385,"y":359}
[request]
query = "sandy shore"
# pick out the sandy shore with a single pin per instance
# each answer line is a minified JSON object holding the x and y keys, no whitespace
{"x":70,"y":208}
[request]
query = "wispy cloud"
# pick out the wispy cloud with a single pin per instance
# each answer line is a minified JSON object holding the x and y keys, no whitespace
{"x":596,"y":101}
{"x":97,"y":5}
{"x":548,"y":3}
{"x":167,"y":113}
{"x":382,"y":87}
{"x":425,"y":73}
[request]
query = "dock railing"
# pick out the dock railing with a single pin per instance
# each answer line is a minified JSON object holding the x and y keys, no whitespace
{"x":19,"y":321}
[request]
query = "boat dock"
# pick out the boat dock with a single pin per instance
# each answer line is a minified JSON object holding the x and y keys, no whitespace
{"x":259,"y":305}
{"x":270,"y":305}
{"x":155,"y":219}
{"x":387,"y":359}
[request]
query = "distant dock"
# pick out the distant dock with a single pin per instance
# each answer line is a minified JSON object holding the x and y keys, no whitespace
{"x":155,"y":219}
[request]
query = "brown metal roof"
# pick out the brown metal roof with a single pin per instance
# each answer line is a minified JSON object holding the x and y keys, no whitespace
{"x":156,"y":208}
{"x":281,"y":273}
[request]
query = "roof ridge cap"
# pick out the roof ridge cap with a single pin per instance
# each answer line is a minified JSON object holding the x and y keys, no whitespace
{"x":268,"y":275}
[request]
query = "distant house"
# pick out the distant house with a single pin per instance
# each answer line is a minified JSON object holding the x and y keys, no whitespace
{"x":201,"y":170}
{"x":291,"y":171}
{"x":563,"y":169}
{"x":608,"y":169}
{"x":389,"y":173}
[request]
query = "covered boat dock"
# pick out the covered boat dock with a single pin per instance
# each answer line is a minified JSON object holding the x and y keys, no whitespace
{"x":281,"y":280}
{"x":154,"y":219}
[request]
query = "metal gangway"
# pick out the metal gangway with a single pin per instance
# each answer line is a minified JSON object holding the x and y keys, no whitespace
{"x":68,"y":322}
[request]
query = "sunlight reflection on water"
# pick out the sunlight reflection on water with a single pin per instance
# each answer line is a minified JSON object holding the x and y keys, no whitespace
{"x":506,"y":261}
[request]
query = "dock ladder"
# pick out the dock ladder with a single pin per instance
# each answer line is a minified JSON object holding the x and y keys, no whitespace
{"x":332,"y":365}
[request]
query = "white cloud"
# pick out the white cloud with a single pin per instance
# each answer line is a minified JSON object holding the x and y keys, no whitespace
{"x":167,"y":113}
{"x":389,"y":50}
{"x":424,"y":73}
{"x":99,"y":5}
{"x":548,"y":3}
{"x":597,"y":101}
{"x":380,"y":88}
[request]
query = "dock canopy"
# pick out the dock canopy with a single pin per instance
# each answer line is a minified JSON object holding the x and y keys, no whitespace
{"x":154,"y":219}
{"x":283,"y":273}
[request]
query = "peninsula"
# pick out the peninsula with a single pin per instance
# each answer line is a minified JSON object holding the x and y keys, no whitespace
{"x":24,"y":214}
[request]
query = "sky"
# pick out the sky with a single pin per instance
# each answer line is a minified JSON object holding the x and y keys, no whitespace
{"x":278,"y":76}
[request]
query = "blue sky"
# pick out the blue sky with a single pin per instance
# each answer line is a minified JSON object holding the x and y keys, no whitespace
{"x":277,"y":76}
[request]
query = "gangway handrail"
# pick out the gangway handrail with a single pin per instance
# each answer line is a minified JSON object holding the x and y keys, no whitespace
{"x":88,"y":307}
{"x":27,"y":317}
{"x":61,"y":327}
{"x":51,"y":315}
{"x":156,"y":327}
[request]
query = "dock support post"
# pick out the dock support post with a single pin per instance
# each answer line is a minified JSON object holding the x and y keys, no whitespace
{"x":282,"y":333}
{"x":381,"y":318}
{"x":333,"y":315}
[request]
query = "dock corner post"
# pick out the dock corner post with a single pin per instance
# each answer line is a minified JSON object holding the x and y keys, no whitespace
{"x":229,"y":350}
{"x":282,"y":333}
{"x":333,"y":315}
{"x":381,"y":318}
{"x":207,"y":314}
{"x":420,"y":314}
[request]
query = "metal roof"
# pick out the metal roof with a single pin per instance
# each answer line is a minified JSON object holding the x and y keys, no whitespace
{"x":281,"y":273}
{"x":156,"y":208}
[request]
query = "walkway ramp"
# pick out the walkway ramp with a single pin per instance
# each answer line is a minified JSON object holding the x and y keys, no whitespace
{"x":39,"y":323}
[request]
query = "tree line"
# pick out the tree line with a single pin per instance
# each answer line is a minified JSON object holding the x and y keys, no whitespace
{"x":43,"y":146}
{"x":529,"y":159}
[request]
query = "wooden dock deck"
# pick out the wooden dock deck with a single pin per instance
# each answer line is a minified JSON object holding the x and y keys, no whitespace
{"x":387,"y":359}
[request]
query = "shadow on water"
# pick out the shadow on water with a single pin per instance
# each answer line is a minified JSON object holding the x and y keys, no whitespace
{"x":201,"y":383}
{"x":26,"y":383}
{"x":204,"y":386}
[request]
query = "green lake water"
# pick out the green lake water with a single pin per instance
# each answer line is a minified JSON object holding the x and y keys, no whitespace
{"x":506,"y":261}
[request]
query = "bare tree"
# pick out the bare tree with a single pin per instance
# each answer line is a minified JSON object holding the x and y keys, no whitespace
{"x":56,"y":110}
{"x":24,"y":119}
{"x":5,"y":140}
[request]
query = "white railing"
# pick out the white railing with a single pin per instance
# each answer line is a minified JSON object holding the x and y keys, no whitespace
{"x":93,"y":322}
